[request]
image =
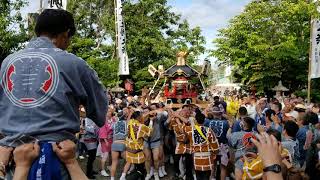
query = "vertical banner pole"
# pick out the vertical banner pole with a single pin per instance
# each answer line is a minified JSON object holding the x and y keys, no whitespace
{"x":121,"y":40}
{"x":310,"y":61}
{"x":116,"y":27}
{"x":314,"y":53}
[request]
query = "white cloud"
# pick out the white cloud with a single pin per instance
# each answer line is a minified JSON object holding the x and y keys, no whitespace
{"x":32,"y":7}
{"x":210,"y":13}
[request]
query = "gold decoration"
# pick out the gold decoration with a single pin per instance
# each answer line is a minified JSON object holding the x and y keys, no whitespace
{"x":183,"y":54}
{"x":180,"y":71}
{"x":181,"y":58}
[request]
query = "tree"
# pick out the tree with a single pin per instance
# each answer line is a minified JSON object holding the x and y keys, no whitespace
{"x":268,"y":42}
{"x":12,"y":30}
{"x":154,"y":35}
{"x":105,"y":66}
{"x":93,"y":40}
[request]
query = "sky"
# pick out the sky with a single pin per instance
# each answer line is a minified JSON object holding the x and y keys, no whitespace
{"x":209,"y":15}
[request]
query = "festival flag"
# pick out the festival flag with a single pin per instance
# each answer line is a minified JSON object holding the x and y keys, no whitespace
{"x":54,"y":4}
{"x":121,"y":40}
{"x":315,"y":51}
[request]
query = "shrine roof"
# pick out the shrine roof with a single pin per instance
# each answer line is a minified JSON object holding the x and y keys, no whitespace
{"x":184,"y":70}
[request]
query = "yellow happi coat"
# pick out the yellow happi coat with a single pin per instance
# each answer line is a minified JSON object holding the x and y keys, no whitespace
{"x":204,"y":146}
{"x":134,"y":142}
{"x":183,"y":146}
{"x":253,"y":168}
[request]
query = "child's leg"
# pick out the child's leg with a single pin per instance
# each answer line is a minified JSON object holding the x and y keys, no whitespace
{"x":115,"y":159}
{"x":223,"y":171}
{"x":104,"y":158}
{"x":238,"y":173}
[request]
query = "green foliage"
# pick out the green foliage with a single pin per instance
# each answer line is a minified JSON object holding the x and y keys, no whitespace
{"x":315,"y":95}
{"x":105,"y":67}
{"x":12,"y":30}
{"x":106,"y":70}
{"x":268,"y":42}
{"x":154,"y":35}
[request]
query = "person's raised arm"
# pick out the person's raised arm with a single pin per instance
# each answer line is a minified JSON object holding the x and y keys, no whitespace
{"x":260,"y":128}
{"x":170,"y":116}
{"x":151,"y":124}
{"x":145,"y":115}
{"x":185,"y":120}
{"x":276,"y":121}
{"x":231,"y":122}
{"x":270,"y":154}
{"x":24,"y":156}
{"x":66,"y":151}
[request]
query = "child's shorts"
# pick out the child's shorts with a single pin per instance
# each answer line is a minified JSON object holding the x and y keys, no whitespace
{"x":118,"y":147}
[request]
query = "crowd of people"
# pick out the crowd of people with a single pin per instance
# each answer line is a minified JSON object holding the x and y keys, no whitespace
{"x":55,"y":111}
{"x":219,"y":143}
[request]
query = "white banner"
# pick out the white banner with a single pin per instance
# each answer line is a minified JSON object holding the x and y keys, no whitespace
{"x":121,"y":41}
{"x":54,"y":4}
{"x":315,"y":53}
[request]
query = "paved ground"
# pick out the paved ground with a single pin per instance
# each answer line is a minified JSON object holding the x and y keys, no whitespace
{"x":169,"y":170}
